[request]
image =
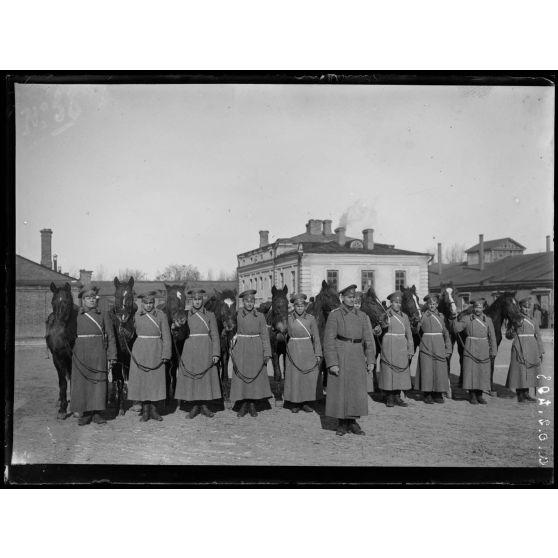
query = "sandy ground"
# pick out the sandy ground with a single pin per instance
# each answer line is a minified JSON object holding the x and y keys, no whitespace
{"x":502,"y":433}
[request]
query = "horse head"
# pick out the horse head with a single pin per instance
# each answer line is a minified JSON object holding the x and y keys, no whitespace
{"x":62,"y":302}
{"x":124,"y":306}
{"x":223,"y":305}
{"x":447,"y":304}
{"x":277,"y":315}
{"x":410,"y":304}
{"x":505,"y":307}
{"x":325,"y":301}
{"x":175,"y":305}
{"x":373,"y":308}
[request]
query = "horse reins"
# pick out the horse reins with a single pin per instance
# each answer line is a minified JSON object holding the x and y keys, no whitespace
{"x":141,"y":366}
{"x":189,"y":373}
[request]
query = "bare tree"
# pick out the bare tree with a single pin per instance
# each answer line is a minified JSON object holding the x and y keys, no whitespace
{"x":227,"y":276}
{"x":126,"y":273}
{"x":100,"y":273}
{"x":178,"y":272}
{"x":210,"y":274}
{"x":454,"y":253}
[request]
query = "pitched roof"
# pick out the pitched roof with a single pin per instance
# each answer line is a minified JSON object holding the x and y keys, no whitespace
{"x":29,"y":273}
{"x":106,"y":288}
{"x":492,"y":244}
{"x":378,"y":250}
{"x":525,"y":268}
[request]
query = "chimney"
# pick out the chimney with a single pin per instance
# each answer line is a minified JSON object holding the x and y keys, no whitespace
{"x":264,"y":238}
{"x":46,"y":248}
{"x":55,"y":262}
{"x":548,"y":243}
{"x":308,"y":226}
{"x":327,"y":226}
{"x":85,"y":276}
{"x":481,"y":251}
{"x":439,"y":258}
{"x":368,"y":238}
{"x":340,"y":232}
{"x":315,"y":226}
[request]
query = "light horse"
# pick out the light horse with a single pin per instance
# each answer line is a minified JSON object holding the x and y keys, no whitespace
{"x":122,"y":316}
{"x":61,"y":333}
{"x":223,"y":305}
{"x":175,"y":310}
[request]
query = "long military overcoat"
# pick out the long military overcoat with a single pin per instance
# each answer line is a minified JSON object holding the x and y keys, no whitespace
{"x":197,"y":379}
{"x":95,"y":344}
{"x":480,"y":345}
{"x":435,"y":347}
{"x":527,"y":348}
{"x":153,"y":344}
{"x":347,"y":395}
{"x":397,"y":351}
{"x":251,"y":346}
{"x":303,"y":377}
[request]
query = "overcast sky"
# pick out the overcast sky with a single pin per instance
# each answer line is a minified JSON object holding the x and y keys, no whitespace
{"x":142,"y":176}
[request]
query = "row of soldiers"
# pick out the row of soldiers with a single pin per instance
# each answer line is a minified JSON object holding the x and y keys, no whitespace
{"x":349,"y":350}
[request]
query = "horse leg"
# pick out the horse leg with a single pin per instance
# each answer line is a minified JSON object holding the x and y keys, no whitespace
{"x":63,"y":375}
{"x":224,"y":364}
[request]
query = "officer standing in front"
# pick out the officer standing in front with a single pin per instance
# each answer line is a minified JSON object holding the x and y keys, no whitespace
{"x":397,"y":352}
{"x":197,"y":378}
{"x":250,"y":354}
{"x":350,"y":352}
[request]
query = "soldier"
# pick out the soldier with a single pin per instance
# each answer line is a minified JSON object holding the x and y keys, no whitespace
{"x":526,"y":354}
{"x":150,"y":354}
{"x":435,"y":347}
{"x":95,"y":344}
{"x":348,"y":362}
{"x":303,"y":378}
{"x":397,"y":352}
{"x":480,"y":347}
{"x":250,"y":354}
{"x":197,"y":378}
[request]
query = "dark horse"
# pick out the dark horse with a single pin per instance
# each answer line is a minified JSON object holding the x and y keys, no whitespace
{"x":61,"y":333}
{"x":276,"y":317}
{"x":175,"y":310}
{"x":122,"y":317}
{"x":223,"y":305}
{"x":502,"y":311}
{"x":324,"y":302}
{"x":411,"y":306}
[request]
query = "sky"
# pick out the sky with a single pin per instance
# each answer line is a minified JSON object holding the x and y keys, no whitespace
{"x":143,"y":176}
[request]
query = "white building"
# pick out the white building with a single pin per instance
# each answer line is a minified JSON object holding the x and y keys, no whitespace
{"x":303,"y":261}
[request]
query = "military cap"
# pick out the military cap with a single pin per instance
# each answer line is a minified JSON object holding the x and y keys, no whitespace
{"x":431,"y":296}
{"x":347,"y":289}
{"x":88,"y":291}
{"x":395,"y":295}
{"x":198,"y":291}
{"x":525,"y":301}
{"x":298,"y":297}
{"x":477,"y":301}
{"x":247,"y":293}
{"x":148,"y":295}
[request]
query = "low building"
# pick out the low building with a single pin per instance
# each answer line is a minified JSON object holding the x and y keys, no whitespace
{"x":493,"y":250}
{"x":303,"y":261}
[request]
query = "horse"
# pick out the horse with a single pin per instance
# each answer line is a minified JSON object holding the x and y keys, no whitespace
{"x":411,"y":306}
{"x":276,"y":317}
{"x":61,"y":333}
{"x":324,"y":302}
{"x":374,"y":309}
{"x":122,"y":317}
{"x":223,"y":305}
{"x":175,"y":310}
{"x":504,"y":309}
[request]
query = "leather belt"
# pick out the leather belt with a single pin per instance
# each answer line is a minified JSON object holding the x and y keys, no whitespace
{"x":149,"y":337}
{"x":348,"y":340}
{"x":91,"y":335}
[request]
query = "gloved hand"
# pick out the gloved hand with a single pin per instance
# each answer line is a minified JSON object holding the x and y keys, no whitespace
{"x":334,"y":370}
{"x":318,"y":360}
{"x":370,"y":367}
{"x":377,"y":330}
{"x":215,"y":359}
{"x":165,"y":360}
{"x":266,"y":359}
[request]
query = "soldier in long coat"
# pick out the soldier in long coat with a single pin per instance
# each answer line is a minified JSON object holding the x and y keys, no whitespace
{"x":303,"y":377}
{"x":526,"y":354}
{"x":250,"y":354}
{"x":480,"y":347}
{"x":435,"y":347}
{"x":150,"y":354}
{"x":350,"y":353}
{"x":197,"y":378}
{"x":397,"y":352}
{"x":95,"y":345}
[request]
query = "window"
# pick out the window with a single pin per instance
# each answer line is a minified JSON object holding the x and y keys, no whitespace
{"x":282,"y":279}
{"x":293,"y":282}
{"x":367,"y":280}
{"x":261,"y":285}
{"x":400,"y":280}
{"x":465,"y":300}
{"x":332,"y":277}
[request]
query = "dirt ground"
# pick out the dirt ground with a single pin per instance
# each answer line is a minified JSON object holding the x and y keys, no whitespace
{"x":502,"y":433}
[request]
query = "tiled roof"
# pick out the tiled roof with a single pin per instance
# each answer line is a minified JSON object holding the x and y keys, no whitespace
{"x":525,"y":268}
{"x":28,"y":272}
{"x":491,"y":244}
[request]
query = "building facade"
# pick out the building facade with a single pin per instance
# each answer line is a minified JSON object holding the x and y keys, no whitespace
{"x":303,"y":261}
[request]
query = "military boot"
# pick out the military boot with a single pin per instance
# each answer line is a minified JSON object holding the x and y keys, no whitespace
{"x":473,"y":397}
{"x":194,"y":411}
{"x":252,"y":409}
{"x":390,"y":400}
{"x":84,"y":419}
{"x":398,"y":401}
{"x":295,"y":408}
{"x":428,"y":399}
{"x":243,"y":409}
{"x":341,"y":427}
{"x":153,"y":412}
{"x":98,"y":419}
{"x":438,"y":397}
{"x":144,"y":412}
{"x":306,"y":408}
{"x":355,"y":428}
{"x":480,"y":398}
{"x":527,"y":397}
{"x":520,"y":396}
{"x":206,"y":412}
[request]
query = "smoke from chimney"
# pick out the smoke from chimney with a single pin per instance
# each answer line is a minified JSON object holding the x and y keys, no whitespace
{"x":357,"y":213}
{"x":481,"y":251}
{"x":46,"y":248}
